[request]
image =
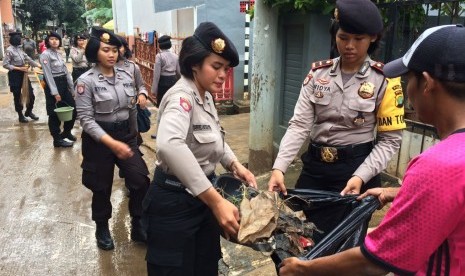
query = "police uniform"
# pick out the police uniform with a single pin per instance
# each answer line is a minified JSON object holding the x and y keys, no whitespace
{"x":183,"y":234}
{"x":58,"y":81}
{"x":108,"y":106}
{"x":79,"y":61}
{"x":342,"y":114}
{"x":166,"y":69}
{"x":16,"y":57}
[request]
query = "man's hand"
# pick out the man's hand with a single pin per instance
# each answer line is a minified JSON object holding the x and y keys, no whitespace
{"x":384,"y":195}
{"x":276,"y":182}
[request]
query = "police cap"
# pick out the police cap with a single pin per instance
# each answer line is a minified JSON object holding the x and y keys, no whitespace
{"x":15,"y":33}
{"x":215,"y":41}
{"x":358,"y":17}
{"x":53,"y":34}
{"x":105,"y":36}
{"x":164,"y":42}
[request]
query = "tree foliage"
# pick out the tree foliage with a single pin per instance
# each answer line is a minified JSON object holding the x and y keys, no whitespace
{"x":71,"y":16}
{"x":98,"y":11}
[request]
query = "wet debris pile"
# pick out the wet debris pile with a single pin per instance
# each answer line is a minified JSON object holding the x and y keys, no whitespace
{"x":268,"y":224}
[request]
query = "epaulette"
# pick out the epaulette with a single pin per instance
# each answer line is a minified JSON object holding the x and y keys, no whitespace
{"x":320,"y":64}
{"x":378,"y":66}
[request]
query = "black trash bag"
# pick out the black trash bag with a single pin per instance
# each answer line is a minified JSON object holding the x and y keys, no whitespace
{"x":343,"y":219}
{"x":143,"y":119}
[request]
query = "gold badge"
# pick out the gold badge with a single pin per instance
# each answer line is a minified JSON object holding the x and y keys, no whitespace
{"x":366,"y":90}
{"x":218,"y":45}
{"x":319,"y":94}
{"x":105,"y":38}
{"x":329,"y":154}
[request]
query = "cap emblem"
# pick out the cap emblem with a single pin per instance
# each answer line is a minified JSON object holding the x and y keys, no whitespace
{"x":218,"y":45}
{"x":105,"y":38}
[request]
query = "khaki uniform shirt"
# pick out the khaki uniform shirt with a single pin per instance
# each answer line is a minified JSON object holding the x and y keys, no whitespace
{"x":53,"y":65}
{"x":78,"y":57}
{"x":133,"y":69}
{"x":337,"y":114}
{"x":109,"y":100}
{"x":15,"y":56}
{"x":190,"y":141}
{"x":166,"y":64}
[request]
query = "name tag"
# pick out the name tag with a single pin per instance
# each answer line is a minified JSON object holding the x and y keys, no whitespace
{"x":98,"y":89}
{"x":201,"y":127}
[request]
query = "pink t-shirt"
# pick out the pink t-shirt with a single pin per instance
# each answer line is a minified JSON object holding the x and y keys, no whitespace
{"x":429,"y":209}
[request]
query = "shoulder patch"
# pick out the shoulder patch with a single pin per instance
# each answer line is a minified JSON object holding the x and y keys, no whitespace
{"x":378,"y":66}
{"x":321,"y":64}
{"x":80,"y":88}
{"x":185,"y":104}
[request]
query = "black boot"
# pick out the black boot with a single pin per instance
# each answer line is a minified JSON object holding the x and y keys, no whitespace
{"x":102,"y":234}
{"x":31,"y":115}
{"x":57,"y":143}
{"x":21,"y":118}
{"x":138,"y":233}
{"x":68,"y":135}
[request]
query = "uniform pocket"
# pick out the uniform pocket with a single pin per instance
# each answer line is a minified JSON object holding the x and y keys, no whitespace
{"x":205,"y":137}
{"x":89,"y":175}
{"x":320,"y":98}
{"x":362,"y":105}
{"x":103,"y":103}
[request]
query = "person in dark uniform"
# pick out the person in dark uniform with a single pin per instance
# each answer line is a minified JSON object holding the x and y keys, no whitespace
{"x":17,"y":61}
{"x":58,"y":91}
{"x":183,"y":235}
{"x":166,"y":69}
{"x":345,"y":105}
{"x":78,"y":57}
{"x":106,"y":101}
{"x":130,"y":66}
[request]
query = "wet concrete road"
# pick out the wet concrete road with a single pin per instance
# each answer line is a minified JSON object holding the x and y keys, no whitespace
{"x":45,"y":217}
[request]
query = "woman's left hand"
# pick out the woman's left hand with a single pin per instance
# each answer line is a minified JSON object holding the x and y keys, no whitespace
{"x":353,"y":186}
{"x":142,"y":101}
{"x":243,"y":173}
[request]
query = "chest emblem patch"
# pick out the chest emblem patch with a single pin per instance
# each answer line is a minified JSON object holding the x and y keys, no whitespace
{"x":80,"y":88}
{"x":185,"y":104}
{"x":366,"y":90}
{"x":323,"y":81}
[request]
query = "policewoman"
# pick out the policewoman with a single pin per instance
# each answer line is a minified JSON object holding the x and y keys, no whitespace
{"x":78,"y":57}
{"x":132,"y":68}
{"x":106,"y":104}
{"x":17,"y":61}
{"x":352,"y":113}
{"x":184,"y":209}
{"x":58,"y":91}
{"x":166,"y":69}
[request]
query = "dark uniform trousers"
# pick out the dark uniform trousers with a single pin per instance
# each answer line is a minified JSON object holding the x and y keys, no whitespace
{"x":98,"y":167}
{"x":319,"y":175}
{"x":78,"y":71}
{"x":183,"y":237}
{"x":15,"y":79}
{"x":164,"y":84}
{"x":54,"y":123}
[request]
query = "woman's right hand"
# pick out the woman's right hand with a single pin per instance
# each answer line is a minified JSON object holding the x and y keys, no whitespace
{"x":276,"y":183}
{"x":121,"y":150}
{"x":227,"y":216}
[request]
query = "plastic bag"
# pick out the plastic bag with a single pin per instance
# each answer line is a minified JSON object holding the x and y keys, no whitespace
{"x":143,"y":119}
{"x":322,"y":208}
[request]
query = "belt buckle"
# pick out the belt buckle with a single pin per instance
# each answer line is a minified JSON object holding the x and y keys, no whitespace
{"x":329,"y":154}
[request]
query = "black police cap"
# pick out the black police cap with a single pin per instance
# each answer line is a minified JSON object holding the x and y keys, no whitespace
{"x":164,"y":42}
{"x":215,"y":41}
{"x":53,"y":34}
{"x":15,"y":33}
{"x":358,"y":17}
{"x":105,"y":36}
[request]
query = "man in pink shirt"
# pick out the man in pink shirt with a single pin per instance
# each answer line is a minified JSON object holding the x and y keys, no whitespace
{"x":423,"y":233}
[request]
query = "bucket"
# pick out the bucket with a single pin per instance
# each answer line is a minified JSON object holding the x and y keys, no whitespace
{"x":64,"y":113}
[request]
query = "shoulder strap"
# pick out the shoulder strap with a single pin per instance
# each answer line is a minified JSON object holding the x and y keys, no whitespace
{"x":321,"y":64}
{"x":378,"y":66}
